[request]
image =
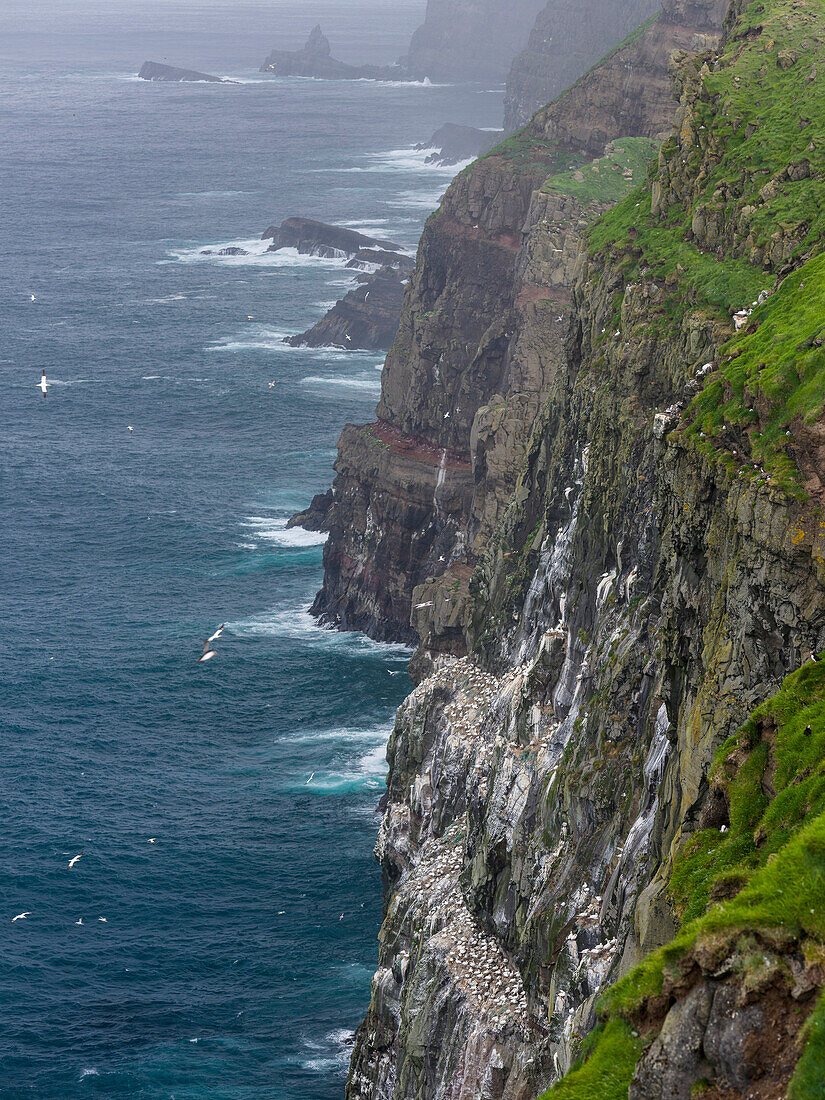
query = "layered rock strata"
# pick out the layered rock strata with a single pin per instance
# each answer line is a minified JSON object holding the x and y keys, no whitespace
{"x":567,"y":39}
{"x":576,"y":792}
{"x":482,"y":332}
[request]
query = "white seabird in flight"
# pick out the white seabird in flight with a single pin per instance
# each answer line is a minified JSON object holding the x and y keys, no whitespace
{"x":43,"y":383}
{"x":217,"y":633}
{"x":207,"y":654}
{"x":74,"y":860}
{"x":20,"y":916}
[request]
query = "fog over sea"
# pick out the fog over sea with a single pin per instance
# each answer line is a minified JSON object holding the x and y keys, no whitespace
{"x":236,"y":953}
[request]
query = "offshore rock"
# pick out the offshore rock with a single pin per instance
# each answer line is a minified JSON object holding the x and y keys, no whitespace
{"x":453,"y":144}
{"x":314,"y":238}
{"x":316,"y":60}
{"x":367,"y":317}
{"x":154,"y":70}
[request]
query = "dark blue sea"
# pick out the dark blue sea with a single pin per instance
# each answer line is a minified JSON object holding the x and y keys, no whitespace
{"x":232,"y":957}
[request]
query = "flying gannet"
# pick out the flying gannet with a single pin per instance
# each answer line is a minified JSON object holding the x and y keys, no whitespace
{"x":74,"y":860}
{"x":43,"y":383}
{"x":217,"y":633}
{"x":20,"y":916}
{"x":207,"y":654}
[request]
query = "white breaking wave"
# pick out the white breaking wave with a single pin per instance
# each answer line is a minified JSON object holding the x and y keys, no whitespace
{"x":256,"y":255}
{"x":331,"y":1053}
{"x":427,"y":200}
{"x":275,"y":530}
{"x":296,"y":623}
{"x":376,"y":735}
{"x":372,"y":384}
{"x":413,"y":160}
{"x":262,"y":338}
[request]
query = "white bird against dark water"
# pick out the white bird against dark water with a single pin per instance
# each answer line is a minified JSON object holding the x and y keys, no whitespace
{"x":74,"y":860}
{"x":208,"y":653}
{"x":217,"y":633}
{"x":32,"y":298}
{"x":309,"y":780}
{"x":79,"y":921}
{"x":130,"y":428}
{"x":273,"y":383}
{"x":43,"y":383}
{"x":105,"y":921}
{"x":151,"y":840}
{"x":20,"y":916}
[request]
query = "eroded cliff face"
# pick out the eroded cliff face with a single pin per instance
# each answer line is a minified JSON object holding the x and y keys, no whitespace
{"x":642,"y":518}
{"x":470,"y":39}
{"x":566,"y":40}
{"x":480,"y":340}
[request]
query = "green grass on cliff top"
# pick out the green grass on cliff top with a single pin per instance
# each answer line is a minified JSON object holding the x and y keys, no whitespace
{"x":761,"y":112}
{"x":774,"y":850}
{"x":603,"y":179}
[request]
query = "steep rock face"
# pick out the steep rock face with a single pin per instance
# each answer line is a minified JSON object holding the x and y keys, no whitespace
{"x":480,"y":334}
{"x":470,"y":39}
{"x":366,"y":317}
{"x":553,"y":810}
{"x":567,"y":39}
{"x":630,"y":92}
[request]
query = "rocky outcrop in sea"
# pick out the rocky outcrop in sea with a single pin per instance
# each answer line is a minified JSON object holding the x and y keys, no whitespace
{"x":367,"y":316}
{"x":316,"y":60}
{"x":452,"y":144}
{"x":154,"y":70}
{"x":593,"y":500}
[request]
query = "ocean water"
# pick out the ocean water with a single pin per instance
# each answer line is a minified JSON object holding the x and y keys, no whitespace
{"x":236,"y":952}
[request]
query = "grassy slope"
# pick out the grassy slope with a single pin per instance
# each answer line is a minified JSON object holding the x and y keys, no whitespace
{"x":758,"y":125}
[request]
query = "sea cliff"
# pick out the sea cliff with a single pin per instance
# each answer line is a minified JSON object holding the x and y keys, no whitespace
{"x":593,"y":497}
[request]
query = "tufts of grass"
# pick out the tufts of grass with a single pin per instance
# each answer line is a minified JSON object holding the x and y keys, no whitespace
{"x":771,"y":375}
{"x":607,"y":1073}
{"x":603,"y":180}
{"x":661,"y":248}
